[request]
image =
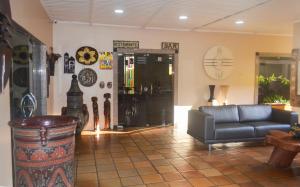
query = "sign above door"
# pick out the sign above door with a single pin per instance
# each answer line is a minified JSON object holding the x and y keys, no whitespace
{"x":122,"y":44}
{"x":170,"y":45}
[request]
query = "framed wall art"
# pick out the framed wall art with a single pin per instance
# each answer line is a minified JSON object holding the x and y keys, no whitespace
{"x":106,"y":59}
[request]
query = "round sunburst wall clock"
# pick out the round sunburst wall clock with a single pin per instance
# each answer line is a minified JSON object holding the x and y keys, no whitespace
{"x":87,"y":55}
{"x":218,"y":62}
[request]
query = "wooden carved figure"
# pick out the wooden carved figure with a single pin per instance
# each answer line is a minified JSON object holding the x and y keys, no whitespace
{"x":95,"y":111}
{"x":52,"y":58}
{"x":107,"y":111}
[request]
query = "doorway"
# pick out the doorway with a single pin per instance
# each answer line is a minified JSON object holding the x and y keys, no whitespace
{"x":273,"y":72}
{"x":146,"y":89}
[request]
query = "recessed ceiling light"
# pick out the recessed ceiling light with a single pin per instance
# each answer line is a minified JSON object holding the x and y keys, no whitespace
{"x":239,"y":22}
{"x":183,"y":17}
{"x":119,"y":11}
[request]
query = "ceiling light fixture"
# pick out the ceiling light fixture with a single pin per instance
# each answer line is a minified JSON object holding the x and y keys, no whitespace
{"x":183,"y":17}
{"x":119,"y":11}
{"x":239,"y":22}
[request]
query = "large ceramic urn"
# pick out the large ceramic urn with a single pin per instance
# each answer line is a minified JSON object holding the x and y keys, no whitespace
{"x":75,"y":106}
{"x":43,"y":151}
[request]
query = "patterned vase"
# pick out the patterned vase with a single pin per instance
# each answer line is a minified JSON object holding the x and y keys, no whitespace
{"x":43,"y":151}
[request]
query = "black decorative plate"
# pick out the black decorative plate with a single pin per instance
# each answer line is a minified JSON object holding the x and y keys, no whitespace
{"x":87,"y":77}
{"x":87,"y":55}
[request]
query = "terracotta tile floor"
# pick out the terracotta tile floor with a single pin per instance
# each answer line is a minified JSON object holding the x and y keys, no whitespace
{"x":158,"y":157}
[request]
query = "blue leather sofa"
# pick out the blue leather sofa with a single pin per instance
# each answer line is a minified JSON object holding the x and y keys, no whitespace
{"x":237,"y":123}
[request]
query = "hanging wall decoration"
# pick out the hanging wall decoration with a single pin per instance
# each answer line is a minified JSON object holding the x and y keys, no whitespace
{"x":87,"y":77}
{"x":21,"y":54}
{"x":66,"y":63}
{"x":109,"y":85}
{"x":51,"y":60}
{"x":218,"y":62}
{"x":102,"y":84}
{"x":69,"y":64}
{"x":106,"y":59}
{"x":87,"y":55}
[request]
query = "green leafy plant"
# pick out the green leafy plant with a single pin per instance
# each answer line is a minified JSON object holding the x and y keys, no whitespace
{"x":275,"y":99}
{"x":268,"y":93}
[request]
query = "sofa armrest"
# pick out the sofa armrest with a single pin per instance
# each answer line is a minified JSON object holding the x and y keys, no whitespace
{"x":201,"y":125}
{"x":283,"y":116}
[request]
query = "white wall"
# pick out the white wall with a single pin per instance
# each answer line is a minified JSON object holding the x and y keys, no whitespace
{"x":193,"y":82}
{"x":5,"y":137}
{"x":31,"y":15}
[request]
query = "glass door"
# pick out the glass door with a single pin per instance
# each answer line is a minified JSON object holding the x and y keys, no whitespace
{"x":28,"y":75}
{"x":146,"y":89}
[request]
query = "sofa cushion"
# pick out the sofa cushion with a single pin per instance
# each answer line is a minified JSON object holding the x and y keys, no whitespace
{"x":222,"y":114}
{"x":227,"y":131}
{"x":263,"y":127}
{"x":254,"y":112}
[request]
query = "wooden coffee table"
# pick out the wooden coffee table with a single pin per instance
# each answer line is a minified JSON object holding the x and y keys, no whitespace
{"x":285,"y":148}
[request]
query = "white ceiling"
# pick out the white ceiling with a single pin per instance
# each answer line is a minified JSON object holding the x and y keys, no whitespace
{"x":260,"y":16}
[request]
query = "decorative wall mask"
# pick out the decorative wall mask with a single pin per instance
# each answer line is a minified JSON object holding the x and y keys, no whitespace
{"x":21,"y":54}
{"x":106,"y":59}
{"x":87,"y":77}
{"x":102,"y":84}
{"x":109,"y":85}
{"x":218,"y":62}
{"x":51,"y":59}
{"x":87,"y":55}
{"x":20,"y":77}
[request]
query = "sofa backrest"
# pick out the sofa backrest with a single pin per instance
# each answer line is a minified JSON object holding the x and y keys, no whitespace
{"x":254,"y":112}
{"x":222,"y":114}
